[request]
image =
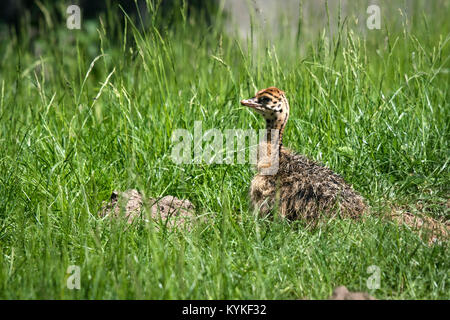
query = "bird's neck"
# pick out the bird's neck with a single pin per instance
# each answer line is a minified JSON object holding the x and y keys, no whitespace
{"x":275,"y":130}
{"x":274,"y":134}
{"x":271,"y":151}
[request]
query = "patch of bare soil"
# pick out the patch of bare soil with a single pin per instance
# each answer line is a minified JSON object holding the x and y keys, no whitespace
{"x":431,"y":230}
{"x":342,"y":293}
{"x":131,"y":205}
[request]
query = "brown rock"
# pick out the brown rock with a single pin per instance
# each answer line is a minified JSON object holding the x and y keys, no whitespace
{"x":131,"y":205}
{"x":342,"y":293}
{"x":429,"y":229}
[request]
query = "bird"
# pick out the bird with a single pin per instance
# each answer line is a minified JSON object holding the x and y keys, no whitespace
{"x":289,"y":183}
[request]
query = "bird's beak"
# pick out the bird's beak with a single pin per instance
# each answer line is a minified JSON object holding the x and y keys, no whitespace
{"x":252,"y":103}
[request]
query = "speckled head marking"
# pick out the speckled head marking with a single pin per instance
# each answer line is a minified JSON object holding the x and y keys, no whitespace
{"x":272,"y":104}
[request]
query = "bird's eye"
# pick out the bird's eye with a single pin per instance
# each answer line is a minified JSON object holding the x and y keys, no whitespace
{"x":264,"y":100}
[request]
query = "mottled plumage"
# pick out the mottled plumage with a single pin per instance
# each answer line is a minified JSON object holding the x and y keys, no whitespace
{"x":300,"y":188}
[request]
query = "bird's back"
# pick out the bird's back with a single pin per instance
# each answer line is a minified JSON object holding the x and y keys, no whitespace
{"x":304,"y":189}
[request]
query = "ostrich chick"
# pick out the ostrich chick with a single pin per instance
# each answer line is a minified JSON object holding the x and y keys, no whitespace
{"x":298,"y":188}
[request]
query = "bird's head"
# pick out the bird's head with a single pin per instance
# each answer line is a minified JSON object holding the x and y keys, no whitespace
{"x":272,"y":104}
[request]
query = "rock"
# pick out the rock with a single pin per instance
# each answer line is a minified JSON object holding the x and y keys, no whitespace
{"x":168,"y":210}
{"x":342,"y":293}
{"x":431,"y":230}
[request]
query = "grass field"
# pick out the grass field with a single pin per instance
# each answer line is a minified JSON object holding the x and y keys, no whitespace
{"x":85,"y":112}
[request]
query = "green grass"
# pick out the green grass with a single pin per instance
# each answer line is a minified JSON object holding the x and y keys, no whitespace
{"x":82,"y":115}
